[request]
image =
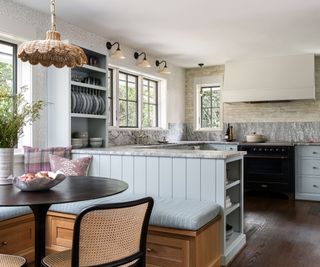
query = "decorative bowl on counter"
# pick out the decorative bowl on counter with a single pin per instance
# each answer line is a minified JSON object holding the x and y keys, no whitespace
{"x":38,"y":182}
{"x":255,"y":138}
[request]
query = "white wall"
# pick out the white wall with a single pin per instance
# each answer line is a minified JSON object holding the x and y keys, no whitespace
{"x":24,"y":23}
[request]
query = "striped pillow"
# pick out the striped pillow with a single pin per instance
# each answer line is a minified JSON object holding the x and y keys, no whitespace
{"x":37,"y":159}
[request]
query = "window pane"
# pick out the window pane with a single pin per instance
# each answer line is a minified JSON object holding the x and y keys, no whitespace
{"x":122,"y":90}
{"x":145,"y":115}
{"x":6,"y":66}
{"x":123,"y":113}
{"x":153,"y":95}
{"x":215,"y":118}
{"x":132,"y":114}
{"x":145,"y":94}
{"x":122,"y":76}
{"x":150,"y":104}
{"x":206,"y":98}
{"x":132,"y":92}
{"x":215,"y":98}
{"x":206,"y":118}
{"x":152,"y":116}
{"x":132,"y":79}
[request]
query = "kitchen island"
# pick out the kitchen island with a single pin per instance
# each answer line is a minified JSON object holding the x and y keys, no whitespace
{"x":204,"y":175}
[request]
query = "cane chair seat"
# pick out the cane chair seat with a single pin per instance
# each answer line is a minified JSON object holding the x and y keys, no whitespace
{"x":108,"y":235}
{"x":12,"y":261}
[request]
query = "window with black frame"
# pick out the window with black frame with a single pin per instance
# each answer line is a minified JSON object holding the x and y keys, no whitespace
{"x":110,"y":95}
{"x":150,"y":104}
{"x":210,"y":107}
{"x":128,"y":100}
{"x":8,"y":66}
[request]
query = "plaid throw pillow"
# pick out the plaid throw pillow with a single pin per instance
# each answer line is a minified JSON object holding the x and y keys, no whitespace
{"x":37,"y":159}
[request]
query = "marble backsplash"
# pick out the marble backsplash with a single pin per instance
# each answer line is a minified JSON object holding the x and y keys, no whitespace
{"x":175,"y":132}
{"x":273,"y":131}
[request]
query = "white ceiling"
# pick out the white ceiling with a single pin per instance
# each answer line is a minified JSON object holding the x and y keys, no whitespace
{"x":186,"y":32}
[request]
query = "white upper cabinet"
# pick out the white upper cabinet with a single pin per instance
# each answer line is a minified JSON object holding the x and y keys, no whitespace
{"x":270,"y":79}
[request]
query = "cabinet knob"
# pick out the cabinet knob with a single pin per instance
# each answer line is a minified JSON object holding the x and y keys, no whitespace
{"x":149,"y":250}
{"x":314,"y":167}
{"x":314,"y":152}
{"x":315,"y":186}
{"x":3,"y":243}
{"x":264,"y":185}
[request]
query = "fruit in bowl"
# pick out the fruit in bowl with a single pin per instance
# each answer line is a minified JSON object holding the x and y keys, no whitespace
{"x":39,"y":181}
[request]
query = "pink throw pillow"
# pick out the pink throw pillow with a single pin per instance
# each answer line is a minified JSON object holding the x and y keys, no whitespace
{"x":37,"y":159}
{"x":76,"y":167}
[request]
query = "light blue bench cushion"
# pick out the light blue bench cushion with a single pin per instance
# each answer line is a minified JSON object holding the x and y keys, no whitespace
{"x":173,"y":213}
{"x":7,"y":213}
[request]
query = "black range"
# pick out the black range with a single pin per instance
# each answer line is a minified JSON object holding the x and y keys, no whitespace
{"x":269,"y":167}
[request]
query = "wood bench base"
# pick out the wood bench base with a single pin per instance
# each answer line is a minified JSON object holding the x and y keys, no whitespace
{"x":166,"y":247}
{"x":17,"y":236}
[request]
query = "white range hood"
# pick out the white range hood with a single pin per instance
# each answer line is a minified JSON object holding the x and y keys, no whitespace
{"x":270,"y":79}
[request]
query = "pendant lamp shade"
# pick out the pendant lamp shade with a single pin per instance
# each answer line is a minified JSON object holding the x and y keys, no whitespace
{"x":52,"y":51}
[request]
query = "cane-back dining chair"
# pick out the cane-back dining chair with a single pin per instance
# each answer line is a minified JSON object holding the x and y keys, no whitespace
{"x":108,"y":235}
{"x":12,"y":261}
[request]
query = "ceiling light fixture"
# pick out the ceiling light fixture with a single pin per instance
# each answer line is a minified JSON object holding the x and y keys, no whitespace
{"x":165,"y":69}
{"x":52,"y":51}
{"x":144,"y":63}
{"x":117,"y":54}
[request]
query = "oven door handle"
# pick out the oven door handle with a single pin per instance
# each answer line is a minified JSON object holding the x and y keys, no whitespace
{"x":265,"y":157}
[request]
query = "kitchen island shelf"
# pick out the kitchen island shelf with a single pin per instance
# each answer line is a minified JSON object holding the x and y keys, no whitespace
{"x":232,"y":208}
{"x":232,"y":184}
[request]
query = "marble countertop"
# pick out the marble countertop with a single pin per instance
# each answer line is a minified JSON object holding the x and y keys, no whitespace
{"x":179,"y":153}
{"x":307,"y":143}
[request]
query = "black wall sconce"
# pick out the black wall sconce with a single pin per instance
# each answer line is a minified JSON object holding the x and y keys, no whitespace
{"x":165,"y":69}
{"x":116,"y":54}
{"x":144,"y":63}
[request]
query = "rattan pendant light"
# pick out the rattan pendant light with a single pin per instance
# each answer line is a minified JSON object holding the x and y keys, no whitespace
{"x":52,"y":51}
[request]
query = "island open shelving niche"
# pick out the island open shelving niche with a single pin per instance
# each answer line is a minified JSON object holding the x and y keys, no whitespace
{"x":77,"y":101}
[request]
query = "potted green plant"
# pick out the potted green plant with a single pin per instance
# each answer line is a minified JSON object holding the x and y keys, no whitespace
{"x":15,"y":113}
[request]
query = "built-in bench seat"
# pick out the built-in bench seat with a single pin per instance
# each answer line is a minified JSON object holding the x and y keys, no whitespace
{"x":180,"y":214}
{"x":181,"y":233}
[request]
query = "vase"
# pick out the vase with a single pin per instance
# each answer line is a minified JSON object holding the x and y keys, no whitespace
{"x":6,"y":164}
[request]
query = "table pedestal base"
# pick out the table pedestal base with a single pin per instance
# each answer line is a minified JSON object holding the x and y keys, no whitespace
{"x":40,"y":213}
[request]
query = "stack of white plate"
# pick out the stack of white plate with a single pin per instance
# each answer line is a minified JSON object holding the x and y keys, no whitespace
{"x":76,"y":142}
{"x":95,"y":142}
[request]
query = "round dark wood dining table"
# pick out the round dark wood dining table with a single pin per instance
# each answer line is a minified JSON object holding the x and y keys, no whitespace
{"x":73,"y":188}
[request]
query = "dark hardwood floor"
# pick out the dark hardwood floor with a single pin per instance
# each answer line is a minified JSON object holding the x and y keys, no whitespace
{"x":280,"y":233}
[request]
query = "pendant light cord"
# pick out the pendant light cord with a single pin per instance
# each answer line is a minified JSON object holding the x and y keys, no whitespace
{"x":53,"y":16}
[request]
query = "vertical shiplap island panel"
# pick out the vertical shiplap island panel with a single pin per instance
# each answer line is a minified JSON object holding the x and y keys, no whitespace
{"x":179,"y":178}
{"x":104,"y":166}
{"x":165,"y":177}
{"x":208,"y":181}
{"x":116,"y":167}
{"x":140,"y":175}
{"x":128,"y":172}
{"x":152,"y":176}
{"x":193,"y":178}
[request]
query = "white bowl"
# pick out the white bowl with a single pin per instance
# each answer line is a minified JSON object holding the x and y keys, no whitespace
{"x":93,"y":139}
